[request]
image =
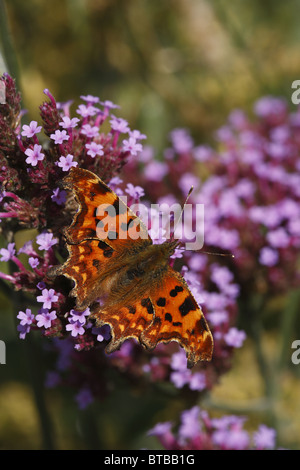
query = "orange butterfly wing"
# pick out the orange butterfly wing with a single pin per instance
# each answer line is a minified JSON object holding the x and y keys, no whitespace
{"x":178,"y":317}
{"x":119,"y":226}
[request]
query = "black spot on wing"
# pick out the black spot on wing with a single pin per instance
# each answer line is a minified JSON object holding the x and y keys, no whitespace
{"x":174,"y":292}
{"x":168,"y":317}
{"x":161,"y":302}
{"x":131,"y":309}
{"x":148,"y":305}
{"x":96,"y":263}
{"x":188,"y":305}
{"x":107,"y":250}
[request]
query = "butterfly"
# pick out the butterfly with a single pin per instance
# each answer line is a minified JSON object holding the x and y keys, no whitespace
{"x":113,"y":258}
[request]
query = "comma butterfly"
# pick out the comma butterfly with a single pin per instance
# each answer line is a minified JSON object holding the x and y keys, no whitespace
{"x":112,"y":257}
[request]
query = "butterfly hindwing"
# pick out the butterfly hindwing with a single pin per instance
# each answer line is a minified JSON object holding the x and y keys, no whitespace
{"x":126,"y":321}
{"x":177,"y":316}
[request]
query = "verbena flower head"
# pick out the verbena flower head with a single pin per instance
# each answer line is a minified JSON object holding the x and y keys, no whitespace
{"x":197,"y":431}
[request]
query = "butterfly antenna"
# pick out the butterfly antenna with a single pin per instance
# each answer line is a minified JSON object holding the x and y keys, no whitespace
{"x":217,"y":254}
{"x":180,"y":217}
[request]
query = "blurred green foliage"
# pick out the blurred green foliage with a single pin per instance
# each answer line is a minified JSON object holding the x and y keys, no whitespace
{"x":168,"y":63}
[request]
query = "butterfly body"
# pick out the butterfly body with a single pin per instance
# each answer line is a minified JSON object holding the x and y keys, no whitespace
{"x":142,"y":296}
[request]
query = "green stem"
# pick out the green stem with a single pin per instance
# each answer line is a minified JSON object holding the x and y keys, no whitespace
{"x":88,"y":427}
{"x":8,"y":49}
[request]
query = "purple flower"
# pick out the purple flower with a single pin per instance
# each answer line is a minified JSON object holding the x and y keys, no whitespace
{"x":94,"y":149}
{"x":26,"y":317}
{"x":202,"y":153}
{"x":45,"y":318}
{"x":84,"y":398}
{"x":180,"y":378}
{"x":46,"y":240}
{"x":68,"y":123}
{"x":86,"y":111}
{"x":119,"y":125}
{"x":221,"y":276}
{"x":134,"y":191}
{"x":65,"y":163}
{"x":115,"y":181}
{"x":217,"y":318}
{"x":34,"y":262}
{"x":79,"y":316}
{"x":269,"y":106}
{"x":102,"y":332}
{"x":132,"y":146}
{"x":8,"y":253}
{"x":76,"y":328}
{"x":268,"y":256}
{"x":31,"y":130}
{"x":136,"y":134}
{"x":90,"y":131}
{"x":197,"y":381}
{"x":109,"y":104}
{"x":188,"y":180}
{"x":264,"y":438}
{"x":235,"y":337}
{"x":231,"y":439}
{"x":90,"y":98}
{"x":59,"y":136}
{"x":160,"y":428}
{"x":181,"y":140}
{"x":155,"y":171}
{"x":34,"y":155}
{"x":59,"y":196}
{"x":48,"y":297}
{"x":23,"y":330}
{"x":278,"y":238}
{"x":190,"y":423}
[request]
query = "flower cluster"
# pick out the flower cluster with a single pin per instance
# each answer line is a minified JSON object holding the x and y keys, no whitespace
{"x":198,"y":431}
{"x":32,"y":167}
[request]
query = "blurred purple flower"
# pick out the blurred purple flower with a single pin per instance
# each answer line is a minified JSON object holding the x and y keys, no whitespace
{"x":7,"y":253}
{"x":235,"y":337}
{"x":264,"y":438}
{"x":46,"y":240}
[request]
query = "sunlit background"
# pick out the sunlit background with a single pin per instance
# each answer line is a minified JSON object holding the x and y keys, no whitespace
{"x":168,"y":64}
